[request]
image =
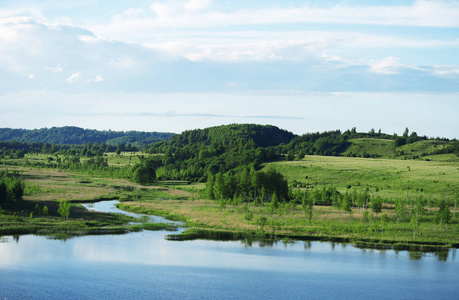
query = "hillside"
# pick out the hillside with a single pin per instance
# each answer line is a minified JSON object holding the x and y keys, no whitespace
{"x":260,"y":135}
{"x":372,"y":145}
{"x":77,"y":136}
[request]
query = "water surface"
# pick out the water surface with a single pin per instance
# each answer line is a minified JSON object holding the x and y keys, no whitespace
{"x":143,"y":265}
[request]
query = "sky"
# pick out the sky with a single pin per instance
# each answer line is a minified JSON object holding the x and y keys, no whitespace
{"x":171,"y":65}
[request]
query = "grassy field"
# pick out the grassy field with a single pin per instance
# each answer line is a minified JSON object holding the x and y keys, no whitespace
{"x":381,"y":148}
{"x":210,"y":217}
{"x":387,"y":178}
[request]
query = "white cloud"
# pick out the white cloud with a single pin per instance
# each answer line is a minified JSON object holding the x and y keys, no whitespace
{"x":446,"y":70}
{"x":195,"y":14}
{"x":237,"y":59}
{"x":96,"y":79}
{"x":197,"y":5}
{"x":74,"y":77}
{"x":59,"y":68}
{"x":123,"y":61}
{"x":388,"y":65}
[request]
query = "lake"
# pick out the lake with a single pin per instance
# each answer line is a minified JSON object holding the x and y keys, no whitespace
{"x":144,"y":265}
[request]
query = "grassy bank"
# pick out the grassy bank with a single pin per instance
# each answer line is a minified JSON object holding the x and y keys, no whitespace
{"x":209,"y":219}
{"x":45,"y":188}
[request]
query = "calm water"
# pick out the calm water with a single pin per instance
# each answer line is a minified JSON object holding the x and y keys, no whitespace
{"x":143,"y":265}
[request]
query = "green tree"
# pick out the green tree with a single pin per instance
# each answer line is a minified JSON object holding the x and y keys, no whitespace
{"x":376,"y":205}
{"x":400,"y":211}
{"x":17,"y":191}
{"x":443,"y":214}
{"x":365,"y":219}
{"x":209,"y":191}
{"x":143,"y":175}
{"x":360,"y":198}
{"x":308,"y":205}
{"x":414,"y":224}
{"x":64,"y":209}
{"x":3,"y":192}
{"x":346,"y":203}
{"x":274,"y":205}
{"x":383,"y":221}
{"x":219,"y":186}
{"x":290,"y":155}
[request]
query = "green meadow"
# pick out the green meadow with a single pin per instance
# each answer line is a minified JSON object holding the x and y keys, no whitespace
{"x":387,"y":178}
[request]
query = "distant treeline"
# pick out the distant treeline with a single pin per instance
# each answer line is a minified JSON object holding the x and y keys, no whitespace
{"x":15,"y":149}
{"x":333,"y":143}
{"x":77,"y":136}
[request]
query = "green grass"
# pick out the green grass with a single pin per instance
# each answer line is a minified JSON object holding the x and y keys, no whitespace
{"x":373,"y":147}
{"x":208,"y":220}
{"x":380,"y":148}
{"x":388,"y":178}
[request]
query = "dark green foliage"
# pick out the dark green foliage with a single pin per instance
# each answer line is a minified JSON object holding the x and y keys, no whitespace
{"x":11,"y":187}
{"x":17,"y":191}
{"x":376,"y":205}
{"x":142,"y":175}
{"x":399,"y":141}
{"x":145,"y":171}
{"x":3,"y":191}
{"x":247,"y":186}
{"x":326,"y":143}
{"x":195,"y":154}
{"x":76,"y":135}
{"x":290,"y":155}
{"x":346,"y":203}
{"x":247,"y":135}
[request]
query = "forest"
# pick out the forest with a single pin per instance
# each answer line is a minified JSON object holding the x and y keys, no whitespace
{"x":76,"y":136}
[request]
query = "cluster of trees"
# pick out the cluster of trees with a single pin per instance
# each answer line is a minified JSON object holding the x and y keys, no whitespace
{"x":11,"y":187}
{"x":407,"y":138}
{"x":257,"y":135}
{"x":248,"y":185}
{"x":196,"y":154}
{"x":78,"y":136}
{"x":145,"y":171}
{"x":325,"y":143}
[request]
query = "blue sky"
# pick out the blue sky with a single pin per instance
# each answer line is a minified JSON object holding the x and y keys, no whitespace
{"x":173,"y":65}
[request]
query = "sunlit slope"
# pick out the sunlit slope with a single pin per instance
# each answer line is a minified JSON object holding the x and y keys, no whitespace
{"x":382,"y":148}
{"x":388,"y":178}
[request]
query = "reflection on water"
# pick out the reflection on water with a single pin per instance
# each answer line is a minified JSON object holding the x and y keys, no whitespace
{"x":144,"y":265}
{"x":440,"y":254}
{"x":110,"y":207}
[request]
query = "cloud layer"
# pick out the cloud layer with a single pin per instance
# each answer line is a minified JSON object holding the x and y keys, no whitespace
{"x":204,"y":47}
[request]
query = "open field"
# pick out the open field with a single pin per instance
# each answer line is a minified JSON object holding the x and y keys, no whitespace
{"x":382,"y":148}
{"x":387,"y":178}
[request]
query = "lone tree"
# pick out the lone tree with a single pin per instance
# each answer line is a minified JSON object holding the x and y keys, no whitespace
{"x":3,"y":192}
{"x":17,"y":191}
{"x":64,"y":209}
{"x":443,"y":215}
{"x":376,"y":205}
